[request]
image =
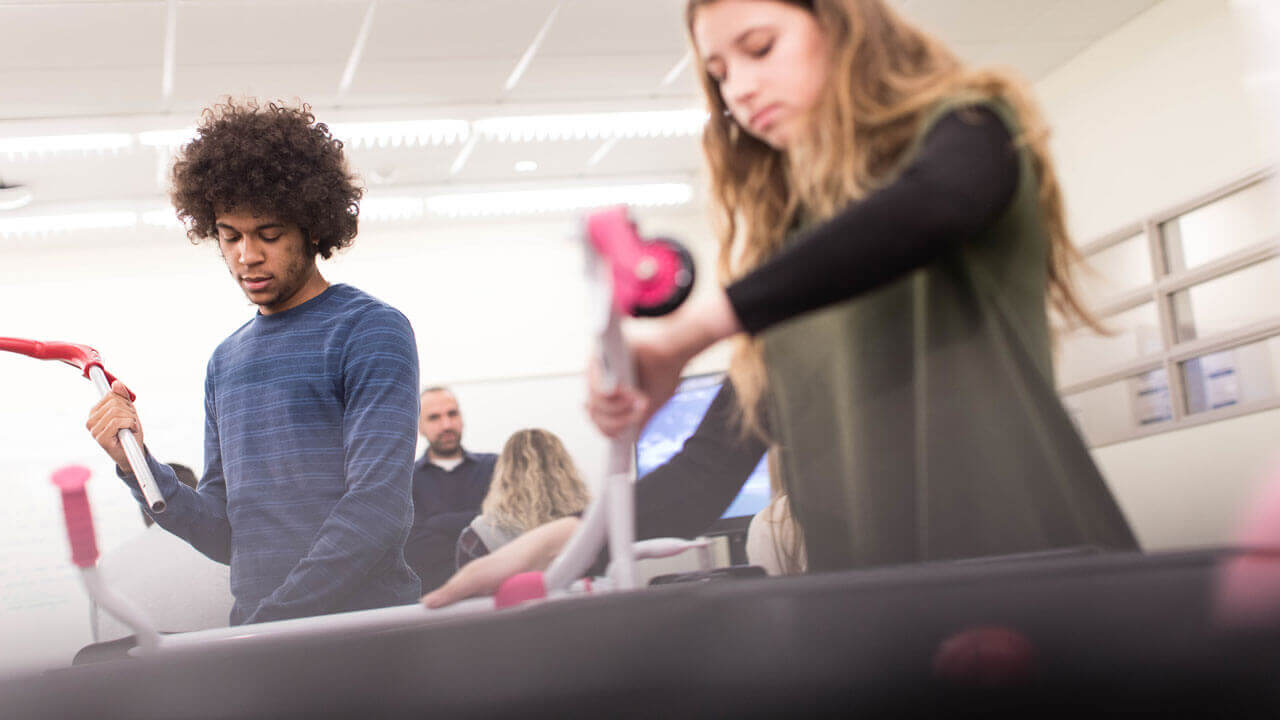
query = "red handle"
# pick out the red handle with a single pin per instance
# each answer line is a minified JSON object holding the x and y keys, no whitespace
{"x":78,"y":356}
{"x":75,"y":507}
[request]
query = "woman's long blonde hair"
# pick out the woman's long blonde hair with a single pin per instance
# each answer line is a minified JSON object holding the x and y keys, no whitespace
{"x":534,"y":482}
{"x":885,"y":75}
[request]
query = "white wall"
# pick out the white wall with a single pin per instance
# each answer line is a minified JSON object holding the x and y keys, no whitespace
{"x":1151,"y":116}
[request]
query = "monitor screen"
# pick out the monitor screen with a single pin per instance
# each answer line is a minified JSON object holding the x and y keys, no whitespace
{"x":675,"y":422}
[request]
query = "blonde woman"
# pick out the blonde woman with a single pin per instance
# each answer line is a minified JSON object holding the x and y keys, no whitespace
{"x":534,"y":482}
{"x":891,"y":238}
{"x":773,"y":541}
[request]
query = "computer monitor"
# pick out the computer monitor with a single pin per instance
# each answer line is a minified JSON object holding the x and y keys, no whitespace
{"x":664,"y":436}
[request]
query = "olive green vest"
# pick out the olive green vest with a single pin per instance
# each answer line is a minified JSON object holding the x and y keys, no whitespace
{"x":920,"y":421}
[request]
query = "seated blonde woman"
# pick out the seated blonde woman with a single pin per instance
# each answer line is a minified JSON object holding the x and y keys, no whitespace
{"x":773,"y":540}
{"x":534,"y":482}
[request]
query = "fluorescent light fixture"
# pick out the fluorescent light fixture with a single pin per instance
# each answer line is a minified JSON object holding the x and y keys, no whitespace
{"x":71,"y":221}
{"x":530,"y":202}
{"x":45,"y":144}
{"x":592,"y":126}
{"x":161,"y":218}
{"x":391,"y":208}
{"x":407,"y":133}
{"x":396,"y":133}
{"x":167,"y":138}
{"x":402,"y":132}
{"x":525,"y":166}
{"x":374,"y":209}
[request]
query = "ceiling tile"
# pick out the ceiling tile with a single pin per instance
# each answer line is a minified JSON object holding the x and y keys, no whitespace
{"x":80,"y":91}
{"x":618,"y":27}
{"x":198,"y":86}
{"x":72,"y":36}
{"x":455,"y":29}
{"x":975,"y":21}
{"x":1033,"y":60}
{"x":656,"y":156}
{"x":580,"y":78}
{"x":1086,"y":19}
{"x":385,"y":169}
{"x":429,"y":82}
{"x":223,"y":32}
{"x":80,"y":178}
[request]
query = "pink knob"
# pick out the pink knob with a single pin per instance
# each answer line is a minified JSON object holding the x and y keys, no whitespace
{"x":519,"y":589}
{"x":75,"y":508}
{"x":985,"y":656}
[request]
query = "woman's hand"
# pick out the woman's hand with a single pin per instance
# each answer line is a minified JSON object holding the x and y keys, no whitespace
{"x":533,"y":550}
{"x":659,"y":353}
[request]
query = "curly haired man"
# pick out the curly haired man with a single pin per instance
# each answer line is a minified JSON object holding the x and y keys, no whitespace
{"x":310,"y":406}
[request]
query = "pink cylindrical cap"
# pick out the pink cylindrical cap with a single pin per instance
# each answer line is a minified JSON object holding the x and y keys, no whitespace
{"x":75,"y":508}
{"x":519,"y":589}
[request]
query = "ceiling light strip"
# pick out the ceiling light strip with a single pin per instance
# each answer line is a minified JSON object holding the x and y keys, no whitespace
{"x":45,"y":144}
{"x":40,"y":224}
{"x":592,"y":126}
{"x":164,"y":218}
{"x":379,"y":209}
{"x":168,"y":139}
{"x":532,"y":202}
{"x":402,"y":133}
{"x":410,"y":133}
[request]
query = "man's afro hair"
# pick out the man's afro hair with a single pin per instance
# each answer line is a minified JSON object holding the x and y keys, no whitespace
{"x":274,"y":160}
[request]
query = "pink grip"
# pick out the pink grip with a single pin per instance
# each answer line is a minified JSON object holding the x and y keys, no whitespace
{"x":614,"y":236}
{"x":75,"y":507}
{"x":1248,"y":585}
{"x":519,"y":589}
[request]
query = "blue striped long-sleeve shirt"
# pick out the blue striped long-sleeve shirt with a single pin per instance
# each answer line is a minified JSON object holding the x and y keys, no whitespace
{"x":310,"y":428}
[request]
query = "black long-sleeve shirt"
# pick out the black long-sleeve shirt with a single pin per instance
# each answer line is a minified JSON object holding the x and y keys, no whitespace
{"x":964,"y":176}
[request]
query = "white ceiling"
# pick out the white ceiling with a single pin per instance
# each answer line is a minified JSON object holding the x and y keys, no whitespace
{"x":96,"y":65}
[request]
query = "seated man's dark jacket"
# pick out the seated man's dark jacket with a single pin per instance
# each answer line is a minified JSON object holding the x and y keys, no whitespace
{"x":444,"y":501}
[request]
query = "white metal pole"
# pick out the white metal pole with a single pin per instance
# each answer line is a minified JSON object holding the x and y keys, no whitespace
{"x":120,"y":608}
{"x":388,"y":618}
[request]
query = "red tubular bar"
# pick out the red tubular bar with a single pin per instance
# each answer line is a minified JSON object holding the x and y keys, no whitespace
{"x":78,"y":356}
